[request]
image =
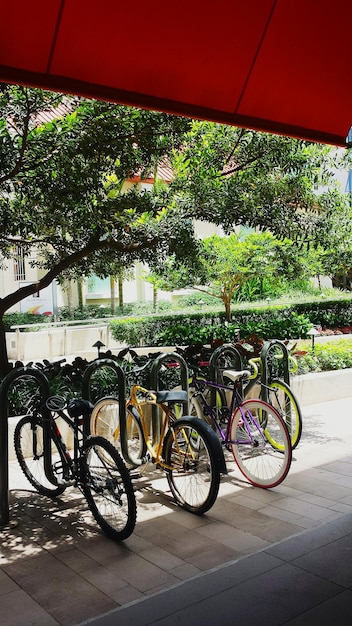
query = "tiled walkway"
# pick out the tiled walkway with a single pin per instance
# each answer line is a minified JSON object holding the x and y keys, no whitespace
{"x":57,"y":568}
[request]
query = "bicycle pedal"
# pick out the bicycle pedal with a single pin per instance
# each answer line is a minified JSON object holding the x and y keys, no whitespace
{"x":135,"y":475}
{"x":66,"y":482}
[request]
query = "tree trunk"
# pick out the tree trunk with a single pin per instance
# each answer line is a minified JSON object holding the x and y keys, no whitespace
{"x":120,"y":289}
{"x":155,"y":298}
{"x":80,"y":293}
{"x":5,"y":366}
{"x":69,"y":298}
{"x":112,"y":295}
{"x":227,"y":304}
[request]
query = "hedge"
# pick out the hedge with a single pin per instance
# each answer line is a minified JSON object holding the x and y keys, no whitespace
{"x":272,"y":322}
{"x":181,"y":329}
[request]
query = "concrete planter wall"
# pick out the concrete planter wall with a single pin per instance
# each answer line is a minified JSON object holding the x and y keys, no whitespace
{"x":322,"y":387}
{"x":53,"y":343}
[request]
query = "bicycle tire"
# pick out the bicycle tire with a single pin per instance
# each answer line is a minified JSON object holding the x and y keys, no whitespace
{"x":28,"y":442}
{"x":282,"y":398}
{"x":105,"y":422}
{"x":264,"y":454}
{"x":194,"y":474}
{"x":107,"y":487}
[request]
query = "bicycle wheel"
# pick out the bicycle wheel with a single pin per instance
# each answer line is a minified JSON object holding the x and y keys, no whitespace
{"x":194,"y":472}
{"x":107,"y":487}
{"x":28,"y":442}
{"x":260,"y":443}
{"x":105,"y":422}
{"x":282,"y":398}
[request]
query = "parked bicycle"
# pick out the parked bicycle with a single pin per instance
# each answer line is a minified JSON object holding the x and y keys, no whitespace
{"x":186,"y":449}
{"x":279,"y":394}
{"x":95,"y":467}
{"x":273,"y":390}
{"x":252,"y":430}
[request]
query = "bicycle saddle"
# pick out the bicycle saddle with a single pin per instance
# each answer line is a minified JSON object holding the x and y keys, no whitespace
{"x":234,"y":375}
{"x":78,"y":407}
{"x":172,"y":396}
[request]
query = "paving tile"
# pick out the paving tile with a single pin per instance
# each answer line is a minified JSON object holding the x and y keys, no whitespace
{"x":232,"y":605}
{"x":103,"y":550}
{"x":254,"y":522}
{"x":172,"y":538}
{"x":76,"y":560}
{"x":56,"y":588}
{"x":310,"y":540}
{"x":213,"y":557}
{"x":19,"y":609}
{"x":162,"y":558}
{"x":7,"y":585}
{"x":335,"y":611}
{"x":339,"y":467}
{"x":183,"y":572}
{"x":281,"y":514}
{"x":233,"y":538}
{"x":190,"y":521}
{"x":111,"y":585}
{"x":140,"y":573}
{"x":305,"y":509}
{"x":332,"y":561}
{"x":317,"y":500}
{"x":15,"y":545}
{"x":250,"y":503}
{"x":342,"y":508}
{"x":127,"y":594}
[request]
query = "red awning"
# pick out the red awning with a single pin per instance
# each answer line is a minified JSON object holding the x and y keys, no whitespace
{"x":280,"y":66}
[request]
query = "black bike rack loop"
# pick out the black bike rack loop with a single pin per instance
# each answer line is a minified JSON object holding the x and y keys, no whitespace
{"x":121,"y":396}
{"x":155,"y":383}
{"x":4,"y":453}
{"x":265,"y":356}
{"x":214,"y":373}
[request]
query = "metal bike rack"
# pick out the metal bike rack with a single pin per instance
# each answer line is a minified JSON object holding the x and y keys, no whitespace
{"x":121,"y":395}
{"x":121,"y":389}
{"x":4,"y":453}
{"x":267,"y":354}
{"x":155,"y":384}
{"x":214,"y":373}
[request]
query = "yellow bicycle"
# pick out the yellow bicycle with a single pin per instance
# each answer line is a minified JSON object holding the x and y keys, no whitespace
{"x":185,"y":448}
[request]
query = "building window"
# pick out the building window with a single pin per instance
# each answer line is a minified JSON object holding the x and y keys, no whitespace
{"x":19,"y":268}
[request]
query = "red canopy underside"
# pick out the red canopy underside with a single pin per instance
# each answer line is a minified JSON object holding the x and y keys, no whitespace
{"x":279,"y":66}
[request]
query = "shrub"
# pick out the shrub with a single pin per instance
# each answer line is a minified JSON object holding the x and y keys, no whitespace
{"x":327,"y":356}
{"x":204,"y":327}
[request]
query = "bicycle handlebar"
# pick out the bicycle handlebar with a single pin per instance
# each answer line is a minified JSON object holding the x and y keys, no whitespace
{"x":292,"y":365}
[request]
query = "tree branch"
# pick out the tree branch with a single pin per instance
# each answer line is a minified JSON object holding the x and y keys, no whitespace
{"x":94,"y":245}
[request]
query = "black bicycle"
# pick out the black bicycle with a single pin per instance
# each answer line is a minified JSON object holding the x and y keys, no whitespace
{"x":93,"y":465}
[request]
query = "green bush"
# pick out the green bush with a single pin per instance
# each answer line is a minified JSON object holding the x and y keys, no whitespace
{"x":204,"y":327}
{"x":327,"y":313}
{"x":332,"y":355}
{"x":19,"y":319}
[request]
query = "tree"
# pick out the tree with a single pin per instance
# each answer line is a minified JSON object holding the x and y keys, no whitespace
{"x":61,"y":182}
{"x":231,"y":176}
{"x":225,"y":264}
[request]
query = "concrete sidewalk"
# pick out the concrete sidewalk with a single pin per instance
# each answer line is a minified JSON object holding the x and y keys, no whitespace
{"x":301,"y":581}
{"x":295,"y":541}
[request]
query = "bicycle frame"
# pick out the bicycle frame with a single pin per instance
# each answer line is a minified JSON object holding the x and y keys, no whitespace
{"x":235,"y":403}
{"x":56,"y":436}
{"x":150,"y":398}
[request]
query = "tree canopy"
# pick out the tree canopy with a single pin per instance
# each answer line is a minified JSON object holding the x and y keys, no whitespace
{"x":61,"y":176}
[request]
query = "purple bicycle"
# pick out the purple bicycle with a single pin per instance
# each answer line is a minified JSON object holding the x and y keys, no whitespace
{"x":252,"y":430}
